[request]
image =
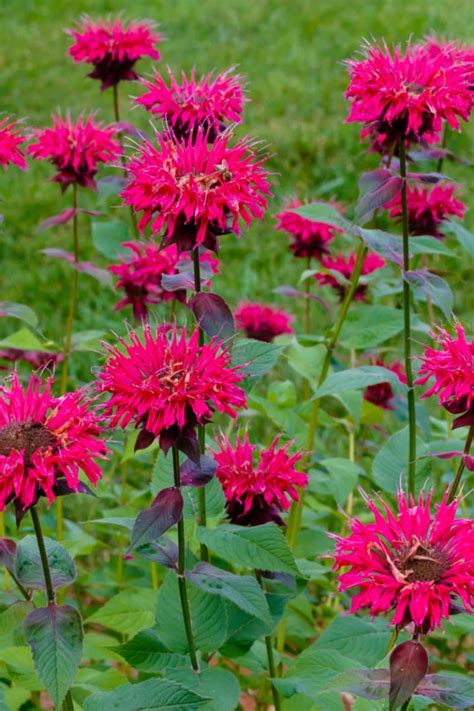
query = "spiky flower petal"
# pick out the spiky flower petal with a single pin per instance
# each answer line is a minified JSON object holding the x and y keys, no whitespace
{"x":261,"y":321}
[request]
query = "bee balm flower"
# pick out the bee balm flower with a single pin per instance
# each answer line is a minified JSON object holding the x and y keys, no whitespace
{"x":309,"y":239}
{"x":45,"y":441}
{"x":262,"y":322}
{"x":76,"y":150}
{"x":411,"y":562}
{"x":210,"y":103}
{"x":257,"y":494}
{"x":11,"y":139}
{"x":196,"y":191}
{"x":427,"y":208}
{"x":113,"y":48}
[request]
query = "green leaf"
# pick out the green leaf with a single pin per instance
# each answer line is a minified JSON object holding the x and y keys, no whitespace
{"x":108,"y":237}
{"x":325,"y":213}
{"x":55,"y":637}
{"x":286,"y":419}
{"x":356,"y":638}
{"x":24,"y":340}
{"x":146,"y":696}
{"x":384,"y":244}
{"x":86,"y":340}
{"x":341,"y":479}
{"x":219,"y":685}
{"x":425,"y":244}
{"x":430,"y":285}
{"x":19,"y":311}
{"x":368,"y":326}
{"x":215,"y":500}
{"x":207,"y":613}
{"x":463,"y":236}
{"x":12,"y":617}
{"x":242,"y":590}
{"x":255,"y":357}
{"x":263,"y":547}
{"x":147,"y":653}
{"x":390,"y":464}
{"x":128,"y":612}
{"x":29,"y":569}
{"x":307,"y":362}
{"x":358,"y":378}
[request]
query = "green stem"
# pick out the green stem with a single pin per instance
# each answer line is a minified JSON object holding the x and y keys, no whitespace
{"x":407,"y":328}
{"x":308,"y":300}
{"x":444,"y":143}
{"x":73,"y":299}
{"x":204,"y":552}
{"x":68,"y":703}
{"x":457,"y":478}
{"x":270,"y":658}
{"x":133,"y":218}
{"x":181,"y":571}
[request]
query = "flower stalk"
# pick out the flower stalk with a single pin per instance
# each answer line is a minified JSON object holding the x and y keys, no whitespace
{"x":133,"y":219}
{"x":407,"y":326}
{"x":183,"y":594}
{"x":270,"y":658}
{"x":462,"y":464}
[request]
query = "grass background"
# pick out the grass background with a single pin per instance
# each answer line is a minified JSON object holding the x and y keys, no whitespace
{"x":291,"y":53}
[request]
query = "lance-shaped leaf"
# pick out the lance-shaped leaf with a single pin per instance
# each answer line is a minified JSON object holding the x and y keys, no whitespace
{"x":428,"y":177}
{"x":152,"y":523}
{"x":147,"y":696}
{"x":358,"y":378}
{"x":212,"y":314}
{"x":164,"y":552}
{"x":102,"y":275}
{"x":463,"y":236}
{"x":29,"y":569}
{"x":20,"y":311}
{"x":147,"y":653}
{"x":376,"y":189}
{"x":177,"y":282}
{"x":63,"y":217}
{"x":324,"y":213}
{"x":456,"y":691}
{"x":194,"y":474}
{"x":108,"y":237}
{"x":384,"y":244}
{"x":55,"y":637}
{"x":7,"y":553}
{"x":408,"y":666}
{"x":255,"y":358}
{"x":434,"y":287}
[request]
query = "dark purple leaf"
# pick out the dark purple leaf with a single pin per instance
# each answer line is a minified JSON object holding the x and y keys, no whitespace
{"x":424,"y":154}
{"x":164,"y":552}
{"x":456,"y":691}
{"x":428,"y":177}
{"x":177,"y":282}
{"x":125,"y":127}
{"x":469,"y":462}
{"x":59,"y":254}
{"x":408,"y":666}
{"x":369,"y":683}
{"x":445,"y":455}
{"x":187,"y":442}
{"x":376,"y":189}
{"x":193,"y":474}
{"x":465,"y":420}
{"x":165,"y":511}
{"x":7,"y":553}
{"x":293,"y":293}
{"x":144,"y":440}
{"x":62,"y":488}
{"x":213,"y":314}
{"x":59,"y":219}
{"x":384,"y":244}
{"x":102,"y":275}
{"x":433,"y":286}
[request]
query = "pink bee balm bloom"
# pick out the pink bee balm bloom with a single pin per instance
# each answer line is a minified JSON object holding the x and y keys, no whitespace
{"x":345,"y":267}
{"x":427,"y":208}
{"x":75,"y":149}
{"x":45,"y":441}
{"x":113,"y":47}
{"x":309,"y":239}
{"x":257,"y":494}
{"x":210,"y":103}
{"x":196,"y":191}
{"x":412,"y":562}
{"x":167,"y":384}
{"x":11,"y":139}
{"x":140,"y":275}
{"x":452,"y":368}
{"x":262,"y":322}
{"x":381,"y":394}
{"x":407,"y":94}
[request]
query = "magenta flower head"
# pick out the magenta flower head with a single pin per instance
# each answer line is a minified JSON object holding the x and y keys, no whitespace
{"x":196,"y":191}
{"x":262,"y":322}
{"x":140,"y":275}
{"x":257,"y":494}
{"x":308,"y":238}
{"x":210,"y":103}
{"x":413,"y":563}
{"x":76,"y":149}
{"x":45,"y":441}
{"x":113,"y":47}
{"x":382,"y":394}
{"x":407,"y":94}
{"x":166,"y":384}
{"x":452,"y":369}
{"x":11,"y":138}
{"x":344,"y":267}
{"x":428,"y":208}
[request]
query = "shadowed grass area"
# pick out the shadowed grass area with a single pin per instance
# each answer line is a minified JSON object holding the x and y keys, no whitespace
{"x":291,"y":53}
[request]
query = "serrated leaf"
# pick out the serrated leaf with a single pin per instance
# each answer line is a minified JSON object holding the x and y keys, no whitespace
{"x":152,"y":523}
{"x":306,"y":361}
{"x":147,"y":696}
{"x":456,"y":691}
{"x":356,"y":638}
{"x":389,"y":466}
{"x":368,"y":326}
{"x":341,"y":479}
{"x":434,"y":287}
{"x":385,"y":244}
{"x":219,"y":685}
{"x":324,"y":213}
{"x":55,"y":637}
{"x":463,"y":236}
{"x":23,"y":340}
{"x":358,"y":378}
{"x":376,"y":189}
{"x":255,"y":357}
{"x":263,"y":547}
{"x":128,"y":612}
{"x":147,"y":653}
{"x":408,"y":666}
{"x":425,"y":244}
{"x":212,"y":314}
{"x":29,"y":569}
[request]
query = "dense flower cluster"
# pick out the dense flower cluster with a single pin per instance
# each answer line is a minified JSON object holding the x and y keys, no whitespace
{"x":140,"y":274}
{"x":412,"y":562}
{"x":262,"y":322}
{"x":113,"y":47}
{"x":195,"y":190}
{"x":308,"y":238}
{"x":382,"y":394}
{"x":408,"y":94}
{"x":167,"y":383}
{"x":11,"y":138}
{"x":45,"y":441}
{"x":209,"y":103}
{"x":76,"y":149}
{"x":345,"y":266}
{"x":257,"y":494}
{"x":427,"y":208}
{"x":452,"y":367}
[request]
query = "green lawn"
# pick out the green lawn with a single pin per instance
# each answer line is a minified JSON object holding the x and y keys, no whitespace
{"x":291,"y":53}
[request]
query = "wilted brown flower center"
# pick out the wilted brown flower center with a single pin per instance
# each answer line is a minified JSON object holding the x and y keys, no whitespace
{"x":421,"y":562}
{"x":27,"y":436}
